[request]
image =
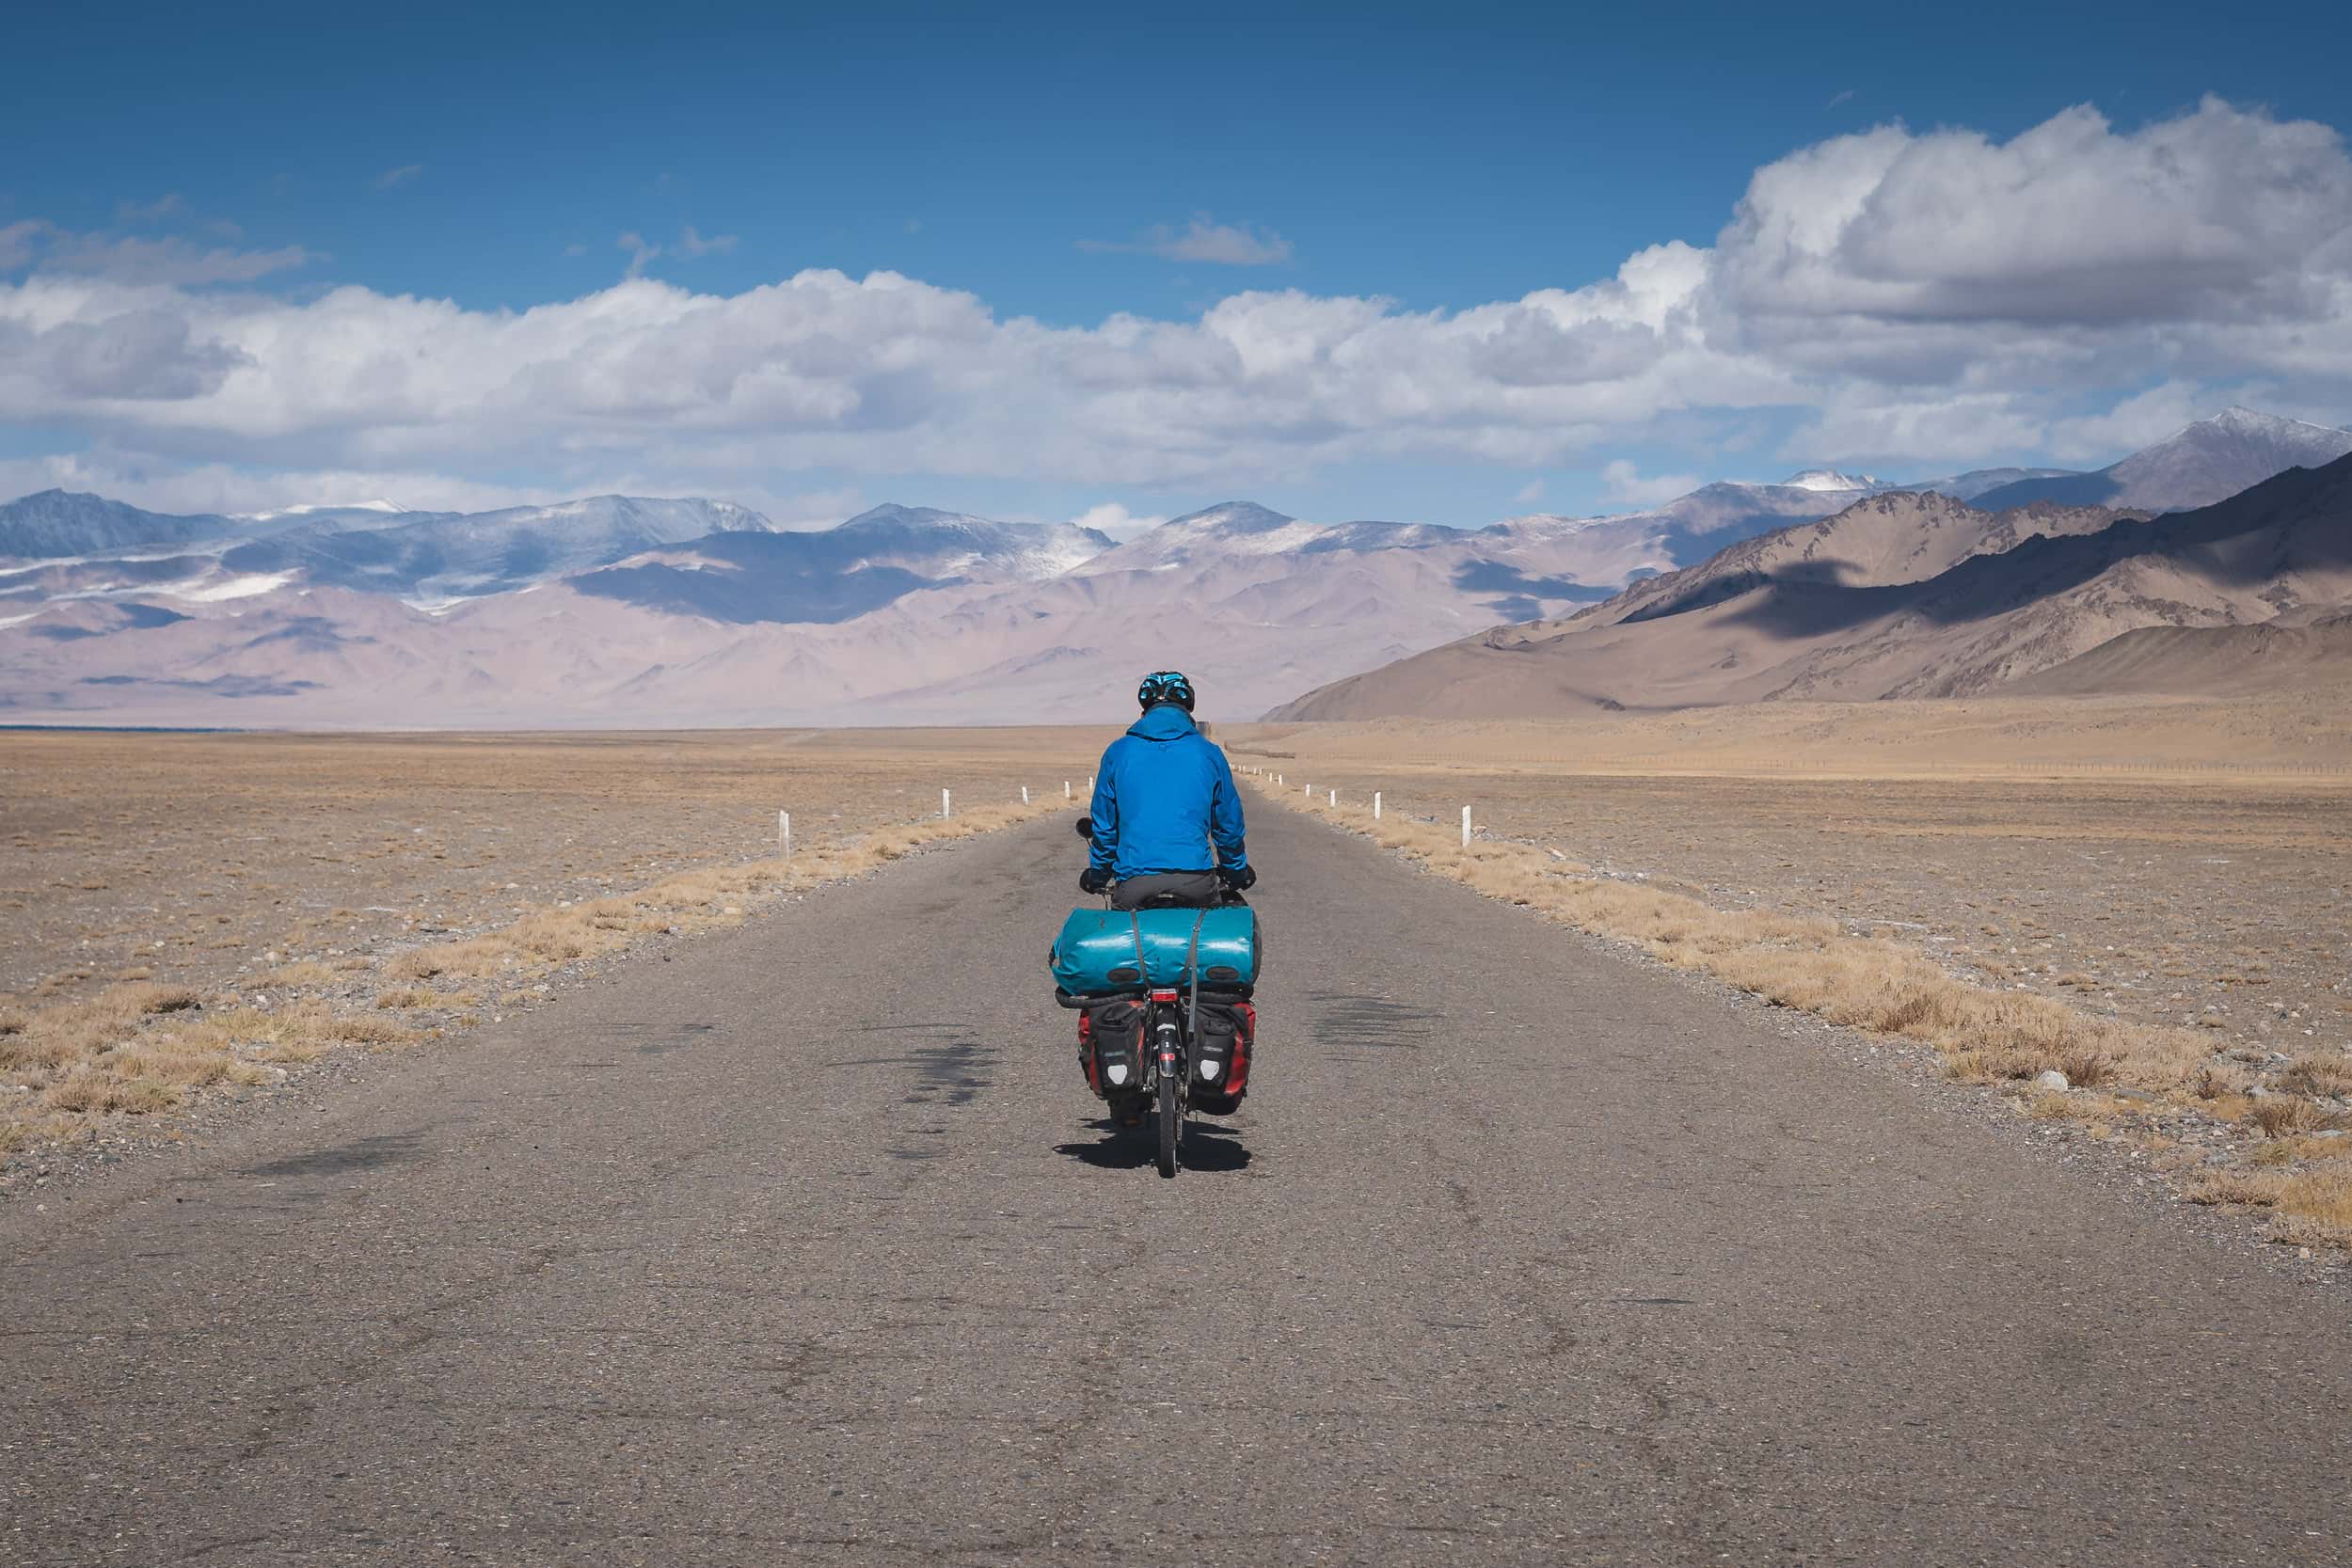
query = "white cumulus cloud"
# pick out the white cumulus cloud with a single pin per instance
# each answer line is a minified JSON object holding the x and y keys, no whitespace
{"x":1628,"y":486}
{"x":1911,"y":297}
{"x":2072,"y":254}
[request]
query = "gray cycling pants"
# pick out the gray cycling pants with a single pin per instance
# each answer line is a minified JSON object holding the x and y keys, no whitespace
{"x":1194,"y":890}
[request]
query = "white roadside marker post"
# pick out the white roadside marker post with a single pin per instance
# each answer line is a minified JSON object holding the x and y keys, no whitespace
{"x":1332,"y":801}
{"x":1303,"y":790}
{"x":947,"y":807}
{"x":1024,"y":800}
{"x":1465,"y":827}
{"x":784,"y":833}
{"x":1375,"y":808}
{"x":1065,"y":795}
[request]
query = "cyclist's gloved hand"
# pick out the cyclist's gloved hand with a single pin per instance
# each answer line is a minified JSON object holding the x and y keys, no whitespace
{"x":1094,"y":879}
{"x":1240,"y":879}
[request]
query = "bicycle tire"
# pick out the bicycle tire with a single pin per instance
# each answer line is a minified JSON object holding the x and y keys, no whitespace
{"x":1170,"y":1115}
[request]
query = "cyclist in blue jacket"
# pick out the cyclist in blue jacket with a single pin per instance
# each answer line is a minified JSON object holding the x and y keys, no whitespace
{"x":1163,"y":795}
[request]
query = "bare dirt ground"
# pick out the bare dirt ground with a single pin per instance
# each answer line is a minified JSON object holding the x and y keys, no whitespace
{"x":248,"y":880}
{"x":2206,"y":882}
{"x":2206,"y":879}
{"x":2227,"y":906}
{"x":194,"y":856}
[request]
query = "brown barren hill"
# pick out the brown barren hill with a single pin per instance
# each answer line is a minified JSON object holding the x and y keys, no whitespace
{"x":1903,"y":537}
{"x":1585,"y":663}
{"x":2203,"y":662}
{"x":1898,"y":596}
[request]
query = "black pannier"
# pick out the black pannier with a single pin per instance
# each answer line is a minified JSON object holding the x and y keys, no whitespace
{"x":1110,"y":1046}
{"x":1227,"y":1030}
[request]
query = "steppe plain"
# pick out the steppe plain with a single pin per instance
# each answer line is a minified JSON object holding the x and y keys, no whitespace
{"x":302,"y":892}
{"x":2163,"y":859}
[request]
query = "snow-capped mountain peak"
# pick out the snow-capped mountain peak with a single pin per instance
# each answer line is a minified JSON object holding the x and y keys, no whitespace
{"x":2196,"y":466}
{"x":1226,"y":520}
{"x":1830,"y":479}
{"x":2241,"y":419}
{"x":307,"y":509}
{"x":955,"y":544}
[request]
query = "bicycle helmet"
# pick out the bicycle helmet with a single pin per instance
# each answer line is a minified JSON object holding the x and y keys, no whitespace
{"x":1164,"y":686}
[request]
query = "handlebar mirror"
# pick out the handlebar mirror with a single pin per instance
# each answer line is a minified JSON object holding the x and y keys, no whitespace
{"x":1085,"y":826}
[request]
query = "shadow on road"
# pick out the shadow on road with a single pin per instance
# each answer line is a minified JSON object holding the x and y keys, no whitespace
{"x":1207,"y":1147}
{"x":385,"y":1149}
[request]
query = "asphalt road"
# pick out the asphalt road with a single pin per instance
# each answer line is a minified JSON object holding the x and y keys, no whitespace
{"x":805,"y":1246}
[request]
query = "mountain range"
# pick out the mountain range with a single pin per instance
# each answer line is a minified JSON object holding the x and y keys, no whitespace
{"x":1919,"y":596}
{"x":621,"y":610}
{"x":2209,"y":461}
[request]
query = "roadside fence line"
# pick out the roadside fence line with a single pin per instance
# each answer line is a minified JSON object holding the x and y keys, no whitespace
{"x":1379,"y":801}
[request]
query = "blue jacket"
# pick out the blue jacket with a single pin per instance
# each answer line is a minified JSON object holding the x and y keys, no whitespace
{"x":1161,"y":795}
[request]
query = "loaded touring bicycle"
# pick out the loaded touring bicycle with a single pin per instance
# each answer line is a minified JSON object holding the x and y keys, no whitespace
{"x":1166,"y":1020}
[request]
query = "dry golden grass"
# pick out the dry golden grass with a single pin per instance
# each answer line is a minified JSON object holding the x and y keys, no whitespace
{"x":2222,"y":1081}
{"x":408,"y":996}
{"x":2277,"y":1115}
{"x":2323,"y":1197}
{"x":2319,"y":1149}
{"x":94,"y":1090}
{"x":2319,"y":1075}
{"x":2255,"y":1189}
{"x":146,"y":997}
{"x":2309,"y":1207}
{"x":423,"y":965}
{"x":136,"y":1054}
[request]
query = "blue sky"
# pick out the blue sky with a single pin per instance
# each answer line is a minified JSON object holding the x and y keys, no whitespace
{"x":1076,"y":165}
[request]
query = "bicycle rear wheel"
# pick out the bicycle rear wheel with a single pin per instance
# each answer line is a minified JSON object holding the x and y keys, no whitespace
{"x":1170,"y":1123}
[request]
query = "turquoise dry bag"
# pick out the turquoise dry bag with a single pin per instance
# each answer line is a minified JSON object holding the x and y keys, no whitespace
{"x":1103,"y":951}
